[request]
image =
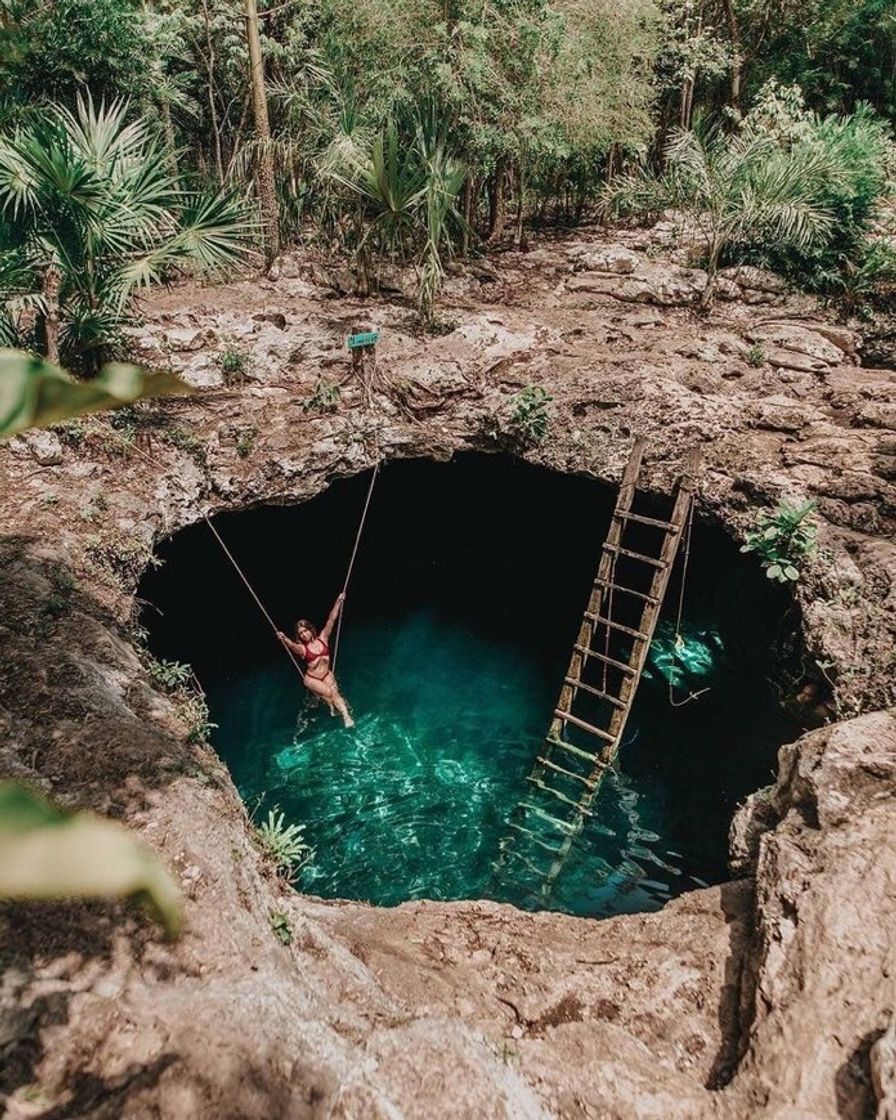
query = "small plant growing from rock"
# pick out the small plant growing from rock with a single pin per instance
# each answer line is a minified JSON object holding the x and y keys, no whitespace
{"x":755,"y":356}
{"x":325,"y":397}
{"x":281,"y":928}
{"x":783,"y":541}
{"x":178,"y":680}
{"x":234,"y":363}
{"x":169,"y":675}
{"x":245,"y":441}
{"x":283,"y":844}
{"x":530,"y":420}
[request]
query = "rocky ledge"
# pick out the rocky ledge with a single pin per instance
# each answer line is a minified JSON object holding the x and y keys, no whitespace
{"x":769,"y":996}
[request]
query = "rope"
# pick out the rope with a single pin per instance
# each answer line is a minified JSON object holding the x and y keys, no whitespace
{"x":684,"y":575}
{"x":251,"y":590}
{"x":351,"y":563}
{"x":149,"y":458}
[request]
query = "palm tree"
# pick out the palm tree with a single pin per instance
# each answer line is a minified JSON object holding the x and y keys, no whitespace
{"x":90,"y":212}
{"x":406,"y":196}
{"x":737,"y":189}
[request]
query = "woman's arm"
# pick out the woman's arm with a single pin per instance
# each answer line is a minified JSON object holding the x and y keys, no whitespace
{"x":296,"y":647}
{"x":334,"y":614}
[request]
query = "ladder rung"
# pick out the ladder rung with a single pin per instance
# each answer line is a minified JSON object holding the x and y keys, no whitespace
{"x":616,"y":626}
{"x":560,"y":796}
{"x":643,"y":596}
{"x":512,"y":854}
{"x":568,"y":717}
{"x":592,"y":691}
{"x":569,"y":773}
{"x":652,"y":561}
{"x":535,"y":839}
{"x":652,"y":521}
{"x":609,"y":660}
{"x":564,"y":826}
{"x":562,"y":745}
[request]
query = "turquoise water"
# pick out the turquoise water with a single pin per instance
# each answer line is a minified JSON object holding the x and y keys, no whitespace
{"x":451,"y":659}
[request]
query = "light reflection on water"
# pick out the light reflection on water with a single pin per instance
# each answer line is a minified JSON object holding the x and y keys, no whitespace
{"x":412,"y":802}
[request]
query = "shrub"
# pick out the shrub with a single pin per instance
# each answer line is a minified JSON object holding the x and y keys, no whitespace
{"x":283,"y":844}
{"x":234,"y":363}
{"x":281,"y":927}
{"x":530,"y":419}
{"x":783,"y":541}
{"x":325,"y":398}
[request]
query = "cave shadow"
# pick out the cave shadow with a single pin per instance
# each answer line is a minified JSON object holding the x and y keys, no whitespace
{"x":853,"y":1085}
{"x":737,"y":900}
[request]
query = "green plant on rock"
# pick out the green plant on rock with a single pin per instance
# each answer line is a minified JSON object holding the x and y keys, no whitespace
{"x":170,"y":675}
{"x":783,"y":541}
{"x":48,"y":852}
{"x":325,"y":398}
{"x":281,"y":927}
{"x":283,"y":844}
{"x":234,"y":363}
{"x":530,"y":419}
{"x":756,"y":356}
{"x":245,"y":441}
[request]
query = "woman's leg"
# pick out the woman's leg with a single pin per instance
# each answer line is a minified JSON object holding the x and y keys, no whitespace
{"x":320,"y":688}
{"x":341,"y":706}
{"x":329,"y":690}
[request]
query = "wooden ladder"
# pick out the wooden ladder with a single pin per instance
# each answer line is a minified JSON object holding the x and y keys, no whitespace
{"x":600,"y":683}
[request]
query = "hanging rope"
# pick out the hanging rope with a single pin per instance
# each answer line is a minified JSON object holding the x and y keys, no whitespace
{"x":251,"y":590}
{"x":678,"y":638}
{"x":351,"y":563}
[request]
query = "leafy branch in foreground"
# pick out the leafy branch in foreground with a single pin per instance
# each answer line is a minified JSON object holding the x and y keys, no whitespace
{"x":47,"y":852}
{"x":783,"y":541}
{"x":35,"y":394}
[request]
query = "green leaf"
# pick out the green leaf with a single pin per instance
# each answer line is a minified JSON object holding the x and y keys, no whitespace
{"x":773,"y":571}
{"x":50,"y":853}
{"x":34,"y":393}
{"x":791,"y":573}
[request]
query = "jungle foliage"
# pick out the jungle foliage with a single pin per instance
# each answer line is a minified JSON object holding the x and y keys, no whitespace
{"x":410,"y":131}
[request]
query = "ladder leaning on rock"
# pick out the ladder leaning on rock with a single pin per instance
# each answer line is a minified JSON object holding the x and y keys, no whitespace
{"x":600,"y":683}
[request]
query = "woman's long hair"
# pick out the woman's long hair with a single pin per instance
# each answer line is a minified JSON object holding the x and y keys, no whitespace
{"x":304,"y":624}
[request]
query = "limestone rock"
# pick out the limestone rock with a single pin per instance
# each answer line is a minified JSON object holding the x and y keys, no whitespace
{"x":753,"y":279}
{"x":795,"y":346}
{"x":882,"y":1059}
{"x":614,"y":259}
{"x":46,"y":447}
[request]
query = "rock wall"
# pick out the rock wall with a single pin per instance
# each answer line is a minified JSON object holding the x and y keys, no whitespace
{"x":769,"y":996}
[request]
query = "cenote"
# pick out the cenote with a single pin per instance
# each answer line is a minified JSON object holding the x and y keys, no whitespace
{"x":466,"y":596}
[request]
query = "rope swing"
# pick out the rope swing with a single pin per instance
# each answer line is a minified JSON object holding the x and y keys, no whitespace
{"x":239,"y":571}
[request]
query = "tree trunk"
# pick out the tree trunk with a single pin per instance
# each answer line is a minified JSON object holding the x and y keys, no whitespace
{"x":467,"y":209}
{"x":213,"y":112}
{"x":267,"y":189}
{"x":497,"y":203}
{"x":736,"y":59}
{"x":52,"y":280}
{"x":520,"y":213}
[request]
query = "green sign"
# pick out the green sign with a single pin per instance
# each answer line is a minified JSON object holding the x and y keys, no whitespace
{"x":368,"y":338}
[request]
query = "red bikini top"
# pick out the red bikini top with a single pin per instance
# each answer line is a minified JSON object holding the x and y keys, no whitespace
{"x":309,"y":656}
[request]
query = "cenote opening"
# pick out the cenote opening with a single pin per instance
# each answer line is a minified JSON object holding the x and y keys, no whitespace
{"x":466,"y":597}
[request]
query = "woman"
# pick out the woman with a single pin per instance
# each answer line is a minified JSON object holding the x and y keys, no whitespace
{"x":314,"y":649}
